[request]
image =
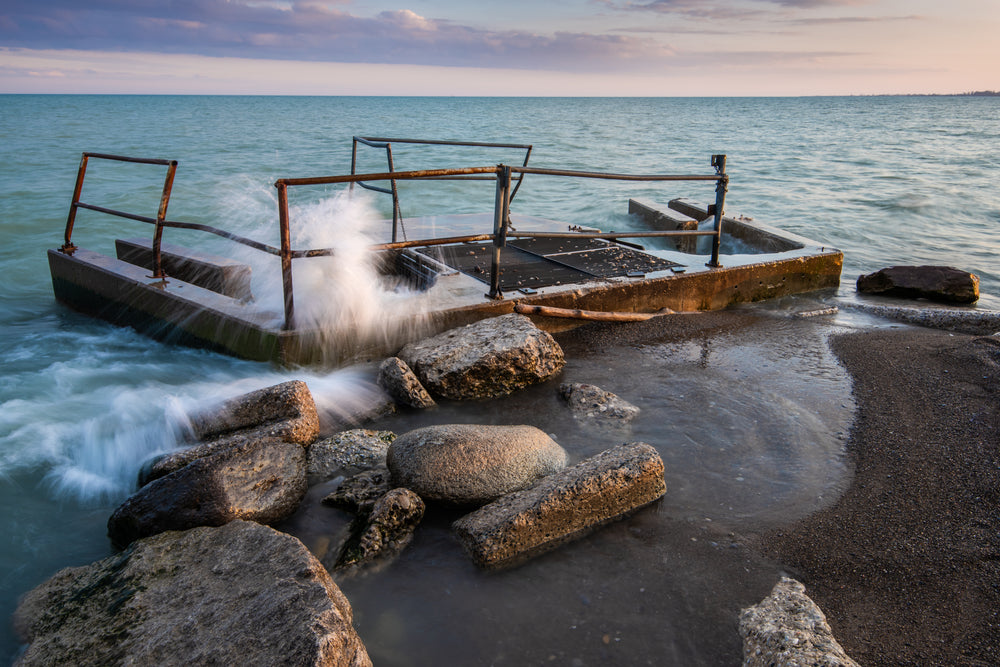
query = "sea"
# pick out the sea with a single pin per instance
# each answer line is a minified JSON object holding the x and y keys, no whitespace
{"x":751,"y":419}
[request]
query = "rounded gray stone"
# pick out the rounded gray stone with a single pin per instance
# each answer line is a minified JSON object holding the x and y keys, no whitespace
{"x":469,"y":464}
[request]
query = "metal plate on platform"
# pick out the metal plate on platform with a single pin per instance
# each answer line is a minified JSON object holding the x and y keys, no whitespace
{"x":518,"y":269}
{"x":533,"y":263}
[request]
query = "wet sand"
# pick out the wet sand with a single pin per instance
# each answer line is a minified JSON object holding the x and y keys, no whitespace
{"x":906,"y":564}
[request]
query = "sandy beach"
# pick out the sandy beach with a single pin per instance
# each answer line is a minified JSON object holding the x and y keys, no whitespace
{"x":906,"y":564}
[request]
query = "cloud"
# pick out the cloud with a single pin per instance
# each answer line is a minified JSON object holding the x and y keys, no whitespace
{"x":306,"y":31}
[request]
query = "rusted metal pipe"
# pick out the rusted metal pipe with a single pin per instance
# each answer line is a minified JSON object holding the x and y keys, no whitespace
{"x":590,"y":315}
{"x":68,"y":246}
{"x":161,"y":214}
{"x":286,"y":257}
{"x":501,"y":221}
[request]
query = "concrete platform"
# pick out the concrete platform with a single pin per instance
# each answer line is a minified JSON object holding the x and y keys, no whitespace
{"x":767,"y":263}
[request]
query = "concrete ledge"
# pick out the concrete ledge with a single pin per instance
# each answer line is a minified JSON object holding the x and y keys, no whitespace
{"x":563,"y":506}
{"x":218,"y":274}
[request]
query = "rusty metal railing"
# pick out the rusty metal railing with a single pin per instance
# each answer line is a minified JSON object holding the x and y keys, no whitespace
{"x":503,"y":174}
{"x":386,"y":144}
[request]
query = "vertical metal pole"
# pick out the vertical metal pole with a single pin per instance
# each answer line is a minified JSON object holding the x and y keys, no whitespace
{"x":396,"y":215}
{"x":68,"y":246}
{"x":501,"y":222}
{"x":721,"y":185}
{"x":286,"y":256}
{"x":161,"y":215}
{"x":354,"y":160}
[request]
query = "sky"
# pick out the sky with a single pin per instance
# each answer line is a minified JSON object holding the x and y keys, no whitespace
{"x":512,"y":47}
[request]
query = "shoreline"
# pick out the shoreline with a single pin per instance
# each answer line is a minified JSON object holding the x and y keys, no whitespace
{"x":906,"y":564}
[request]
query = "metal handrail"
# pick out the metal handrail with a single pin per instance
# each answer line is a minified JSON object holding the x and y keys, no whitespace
{"x":386,"y":143}
{"x":503,"y":174}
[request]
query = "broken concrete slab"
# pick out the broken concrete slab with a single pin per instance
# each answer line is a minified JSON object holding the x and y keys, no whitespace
{"x":563,"y":506}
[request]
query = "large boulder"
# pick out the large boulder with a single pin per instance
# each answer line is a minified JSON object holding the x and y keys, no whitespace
{"x":286,"y":411}
{"x":260,"y":480}
{"x":469,"y":464}
{"x":402,"y":384}
{"x":787,"y":629}
{"x":563,"y":506}
{"x":936,"y":283}
{"x":486,"y":359}
{"x":242,"y":594}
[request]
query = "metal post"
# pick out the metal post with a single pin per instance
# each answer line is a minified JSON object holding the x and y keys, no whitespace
{"x":721,"y":185}
{"x":354,"y":161}
{"x":286,"y":256}
{"x":396,"y":215}
{"x":68,"y":246}
{"x":501,"y":222}
{"x":161,"y":215}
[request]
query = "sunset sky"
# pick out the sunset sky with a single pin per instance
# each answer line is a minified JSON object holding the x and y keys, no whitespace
{"x":515,"y":47}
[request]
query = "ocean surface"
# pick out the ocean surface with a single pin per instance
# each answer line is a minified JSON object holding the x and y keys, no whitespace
{"x":888,"y":180}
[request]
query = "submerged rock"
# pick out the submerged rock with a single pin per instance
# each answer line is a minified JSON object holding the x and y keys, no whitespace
{"x":937,"y":283}
{"x":383,"y":532}
{"x":486,"y":359}
{"x":242,"y":594}
{"x":357,"y":448}
{"x":592,"y":402}
{"x":358,"y":493}
{"x":261,"y":480}
{"x":563,"y":506}
{"x":469,"y":464}
{"x":787,"y":629}
{"x":401,"y":383}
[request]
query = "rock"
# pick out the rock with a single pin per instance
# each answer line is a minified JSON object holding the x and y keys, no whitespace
{"x":401,"y":383}
{"x":486,"y":359}
{"x":937,"y":283}
{"x":468,"y":464}
{"x":358,"y":493}
{"x":787,"y":629}
{"x":243,"y":594}
{"x":261,"y":480}
{"x":357,"y":448}
{"x":592,"y":402}
{"x":384,"y":532}
{"x":563,"y":506}
{"x":288,"y":407}
{"x":285,"y":411}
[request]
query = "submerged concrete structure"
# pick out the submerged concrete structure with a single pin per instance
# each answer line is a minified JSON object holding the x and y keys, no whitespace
{"x":473,"y":265}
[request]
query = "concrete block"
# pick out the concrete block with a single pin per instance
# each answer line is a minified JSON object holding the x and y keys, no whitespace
{"x":564,"y":506}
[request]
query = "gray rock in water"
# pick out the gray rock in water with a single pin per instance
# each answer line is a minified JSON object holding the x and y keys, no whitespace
{"x":401,"y":383}
{"x":486,"y":359}
{"x":243,"y":594}
{"x":592,"y":402}
{"x":468,"y":464}
{"x":261,"y":480}
{"x":357,"y":448}
{"x":286,"y":411}
{"x":937,"y":283}
{"x":358,"y":493}
{"x":563,"y":507}
{"x":384,"y":532}
{"x":787,"y":629}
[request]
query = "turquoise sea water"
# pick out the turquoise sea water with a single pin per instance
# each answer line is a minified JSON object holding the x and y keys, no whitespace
{"x":888,"y":180}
